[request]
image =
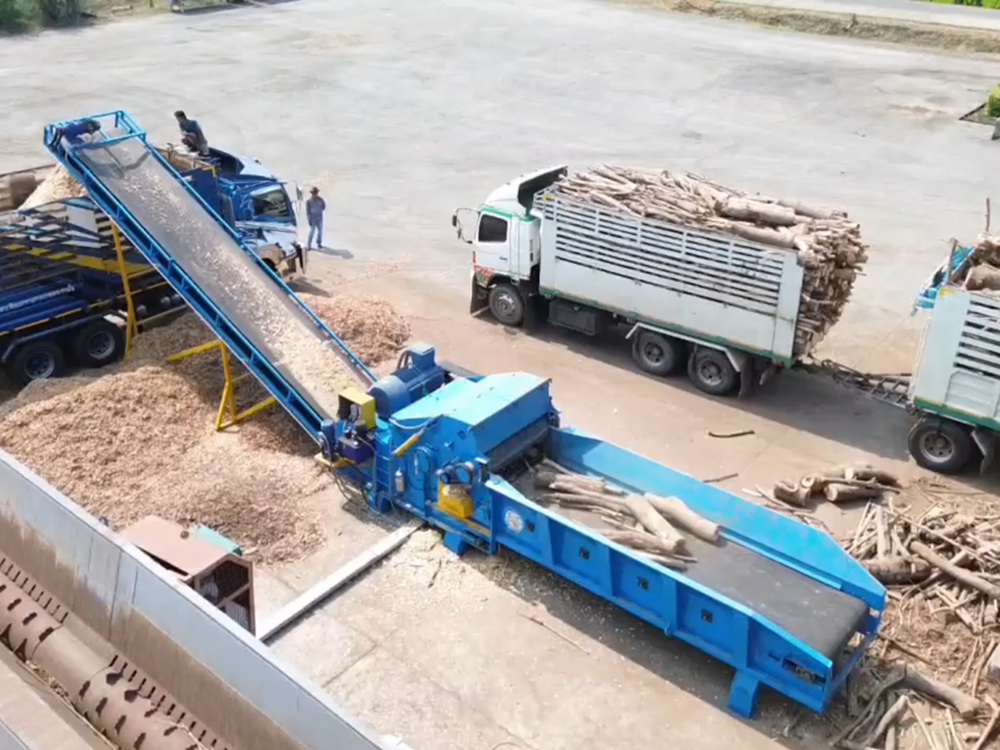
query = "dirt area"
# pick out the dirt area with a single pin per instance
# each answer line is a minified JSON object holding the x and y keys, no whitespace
{"x":839,"y":24}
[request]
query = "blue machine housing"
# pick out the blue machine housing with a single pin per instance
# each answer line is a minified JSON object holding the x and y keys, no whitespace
{"x":779,"y":601}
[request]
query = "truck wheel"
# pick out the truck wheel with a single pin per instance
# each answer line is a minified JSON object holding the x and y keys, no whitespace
{"x":658,"y":354}
{"x":99,"y":343}
{"x":712,"y":372}
{"x":940,"y":445}
{"x":37,"y":360}
{"x":506,"y":304}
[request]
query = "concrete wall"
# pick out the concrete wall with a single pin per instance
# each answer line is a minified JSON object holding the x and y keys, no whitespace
{"x":209,"y":664}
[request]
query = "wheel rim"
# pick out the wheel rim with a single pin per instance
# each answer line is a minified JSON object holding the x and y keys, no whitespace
{"x":101,"y":345}
{"x":653,"y":354}
{"x":710,"y":373}
{"x":506,"y":305}
{"x":937,"y":447}
{"x":40,"y":366}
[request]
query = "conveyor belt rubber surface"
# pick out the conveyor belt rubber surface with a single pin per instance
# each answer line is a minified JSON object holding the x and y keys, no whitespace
{"x":262,"y":311}
{"x":813,"y":612}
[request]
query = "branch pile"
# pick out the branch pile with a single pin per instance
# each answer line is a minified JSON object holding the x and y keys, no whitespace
{"x":828,"y":245}
{"x":942,"y":569}
{"x":839,"y":485}
{"x":649,"y":524}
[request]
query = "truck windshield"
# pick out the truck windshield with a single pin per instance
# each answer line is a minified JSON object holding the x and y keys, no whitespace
{"x":272,"y":204}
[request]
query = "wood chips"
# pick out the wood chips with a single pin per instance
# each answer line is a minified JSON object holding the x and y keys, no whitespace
{"x":828,"y":245}
{"x":57,"y":186}
{"x":139,"y":439}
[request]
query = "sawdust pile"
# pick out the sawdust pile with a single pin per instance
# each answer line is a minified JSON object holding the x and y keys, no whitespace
{"x":368,"y":325}
{"x":139,"y":438}
{"x":58,"y":185}
{"x":141,"y":442}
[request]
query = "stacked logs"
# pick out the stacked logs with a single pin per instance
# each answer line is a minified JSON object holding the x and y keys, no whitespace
{"x":828,"y":245}
{"x":838,"y":485}
{"x":647,"y":523}
{"x":983,"y":272}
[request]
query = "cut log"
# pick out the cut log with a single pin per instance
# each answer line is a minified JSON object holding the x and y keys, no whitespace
{"x":983,"y":277}
{"x":896,"y":570}
{"x":640,"y":540}
{"x":653,"y":522}
{"x":844,"y":493}
{"x":792,"y":494}
{"x":961,"y":575}
{"x":677,"y":512}
{"x":966,"y":705}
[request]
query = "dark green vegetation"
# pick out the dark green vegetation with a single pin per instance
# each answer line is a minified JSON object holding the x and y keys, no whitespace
{"x":24,"y":15}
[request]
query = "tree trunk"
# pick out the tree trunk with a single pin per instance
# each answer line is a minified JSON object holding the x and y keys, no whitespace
{"x":678,"y":512}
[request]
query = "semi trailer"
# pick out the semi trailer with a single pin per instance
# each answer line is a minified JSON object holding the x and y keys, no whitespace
{"x":70,"y":283}
{"x":725,"y":308}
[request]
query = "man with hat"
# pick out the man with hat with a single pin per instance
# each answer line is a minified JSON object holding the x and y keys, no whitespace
{"x":315,"y":207}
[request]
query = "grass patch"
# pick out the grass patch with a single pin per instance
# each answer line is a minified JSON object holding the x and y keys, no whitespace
{"x":935,"y":36}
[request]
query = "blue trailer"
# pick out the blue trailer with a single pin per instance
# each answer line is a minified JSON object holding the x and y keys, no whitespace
{"x":70,"y":284}
{"x":779,"y":601}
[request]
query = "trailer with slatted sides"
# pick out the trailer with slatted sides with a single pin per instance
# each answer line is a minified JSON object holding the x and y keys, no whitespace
{"x":718,"y":305}
{"x":955,"y":387}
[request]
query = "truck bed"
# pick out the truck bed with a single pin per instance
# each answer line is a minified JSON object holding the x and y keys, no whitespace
{"x":704,"y":284}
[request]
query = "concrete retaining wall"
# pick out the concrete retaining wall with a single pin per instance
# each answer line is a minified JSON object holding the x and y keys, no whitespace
{"x":209,"y":664}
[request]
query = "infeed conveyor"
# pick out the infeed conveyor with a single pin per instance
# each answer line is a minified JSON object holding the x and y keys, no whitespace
{"x":779,"y":601}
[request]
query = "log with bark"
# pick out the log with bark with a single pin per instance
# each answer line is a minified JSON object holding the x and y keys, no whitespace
{"x":897,"y":570}
{"x":827,"y":243}
{"x":966,"y":705}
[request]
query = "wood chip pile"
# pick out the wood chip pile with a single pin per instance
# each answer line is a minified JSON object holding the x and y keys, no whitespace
{"x":139,"y":438}
{"x":828,"y":244}
{"x":58,"y":185}
{"x":370,"y":327}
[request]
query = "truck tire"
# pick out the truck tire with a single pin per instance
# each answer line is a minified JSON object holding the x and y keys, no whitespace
{"x":940,"y":445}
{"x":35,"y":361}
{"x":658,"y":354}
{"x":506,"y":304}
{"x":99,"y":343}
{"x":712,"y":372}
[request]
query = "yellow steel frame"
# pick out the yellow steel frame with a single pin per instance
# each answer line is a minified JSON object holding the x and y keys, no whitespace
{"x":131,"y":325}
{"x":228,"y":414}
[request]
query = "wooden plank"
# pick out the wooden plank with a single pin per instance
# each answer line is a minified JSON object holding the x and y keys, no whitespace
{"x":635,"y":269}
{"x":760,"y":275}
{"x":316,"y":595}
{"x":706,"y":293}
{"x":744,"y":275}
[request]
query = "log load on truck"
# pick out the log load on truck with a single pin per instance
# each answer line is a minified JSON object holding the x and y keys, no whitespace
{"x":66,"y":291}
{"x":698,"y":276}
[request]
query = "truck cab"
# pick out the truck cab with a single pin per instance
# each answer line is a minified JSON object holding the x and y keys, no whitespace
{"x":506,"y":245}
{"x":257,"y":204}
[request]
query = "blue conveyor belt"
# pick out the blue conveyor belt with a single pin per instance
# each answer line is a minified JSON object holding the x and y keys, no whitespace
{"x":294,"y":355}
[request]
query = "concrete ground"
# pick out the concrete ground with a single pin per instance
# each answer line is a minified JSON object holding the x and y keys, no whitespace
{"x":402,"y":114}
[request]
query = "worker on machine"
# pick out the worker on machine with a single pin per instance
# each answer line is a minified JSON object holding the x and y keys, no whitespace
{"x":192,"y":135}
{"x":78,"y":131}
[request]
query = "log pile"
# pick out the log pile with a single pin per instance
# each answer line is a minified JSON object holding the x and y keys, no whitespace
{"x":652,"y":525}
{"x":828,"y":244}
{"x":840,"y":485}
{"x":983,"y":271}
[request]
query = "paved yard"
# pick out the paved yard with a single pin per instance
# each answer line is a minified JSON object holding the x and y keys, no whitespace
{"x":404,"y":112}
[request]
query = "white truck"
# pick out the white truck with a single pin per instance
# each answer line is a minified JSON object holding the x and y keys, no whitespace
{"x":720,"y":306}
{"x":955,"y":386}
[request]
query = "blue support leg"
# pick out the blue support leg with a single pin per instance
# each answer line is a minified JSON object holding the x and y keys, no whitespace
{"x":743,"y":694}
{"x":455,"y":543}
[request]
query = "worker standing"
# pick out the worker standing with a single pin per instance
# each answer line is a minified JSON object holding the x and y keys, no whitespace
{"x":315,"y":207}
{"x":192,"y":135}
